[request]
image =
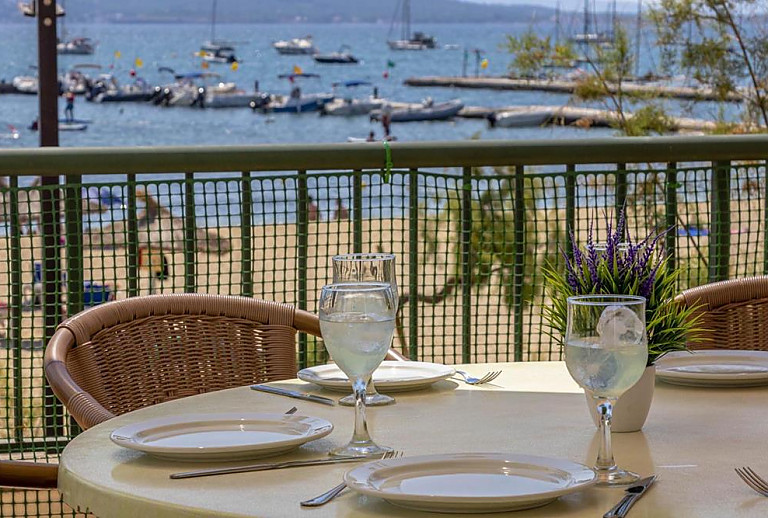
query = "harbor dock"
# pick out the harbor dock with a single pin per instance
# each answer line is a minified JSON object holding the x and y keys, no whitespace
{"x":567,"y":87}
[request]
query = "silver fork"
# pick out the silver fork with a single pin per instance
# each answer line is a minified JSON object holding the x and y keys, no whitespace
{"x":470,"y":380}
{"x":753,"y":480}
{"x":334,"y":492}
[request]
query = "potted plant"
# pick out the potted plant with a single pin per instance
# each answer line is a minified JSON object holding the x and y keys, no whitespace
{"x":622,"y":267}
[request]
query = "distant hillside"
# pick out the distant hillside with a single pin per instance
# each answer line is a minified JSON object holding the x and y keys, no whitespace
{"x":286,"y":11}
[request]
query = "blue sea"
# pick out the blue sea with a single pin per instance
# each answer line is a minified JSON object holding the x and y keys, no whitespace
{"x":174,"y":46}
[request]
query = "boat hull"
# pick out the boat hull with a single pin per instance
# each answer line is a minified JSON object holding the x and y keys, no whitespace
{"x":441,"y":111}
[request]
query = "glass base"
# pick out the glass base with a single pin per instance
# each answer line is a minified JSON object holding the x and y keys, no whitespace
{"x":374,"y":399}
{"x":615,"y":477}
{"x":360,"y":449}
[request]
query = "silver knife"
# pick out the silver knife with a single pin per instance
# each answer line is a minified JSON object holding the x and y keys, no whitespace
{"x":266,"y":466}
{"x":294,"y":394}
{"x":634,"y":492}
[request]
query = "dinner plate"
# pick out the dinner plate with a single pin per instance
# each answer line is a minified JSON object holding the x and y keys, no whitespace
{"x":470,"y":482}
{"x":714,"y":368}
{"x":203,"y":437}
{"x":391,"y":376}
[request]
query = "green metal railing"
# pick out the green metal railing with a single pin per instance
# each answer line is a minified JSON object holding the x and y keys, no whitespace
{"x":471,"y":222}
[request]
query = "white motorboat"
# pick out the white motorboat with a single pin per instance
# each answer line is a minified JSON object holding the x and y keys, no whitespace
{"x":25,"y":84}
{"x":295,"y":46}
{"x":426,"y":111}
{"x":349,"y":107}
{"x":522,"y":118}
{"x":106,"y":89}
{"x":77,"y":46}
{"x":185,"y":91}
{"x":227,"y":95}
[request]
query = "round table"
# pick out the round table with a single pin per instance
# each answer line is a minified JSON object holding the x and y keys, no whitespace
{"x":693,"y":439}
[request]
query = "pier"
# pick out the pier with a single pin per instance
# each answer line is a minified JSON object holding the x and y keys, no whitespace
{"x":567,"y":87}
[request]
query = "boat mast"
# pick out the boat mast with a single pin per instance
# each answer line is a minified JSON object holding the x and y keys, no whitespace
{"x":586,"y":19}
{"x":406,"y":20}
{"x":213,"y":23}
{"x":557,"y":23}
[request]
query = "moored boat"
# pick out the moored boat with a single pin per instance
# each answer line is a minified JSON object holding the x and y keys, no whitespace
{"x":416,"y":41}
{"x":522,"y":117}
{"x":295,"y":46}
{"x":106,"y":89}
{"x":218,"y":53}
{"x":342,"y":57}
{"x":426,"y":111}
{"x":76,"y":46}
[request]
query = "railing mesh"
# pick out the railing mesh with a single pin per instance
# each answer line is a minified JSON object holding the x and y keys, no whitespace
{"x":470,"y":244}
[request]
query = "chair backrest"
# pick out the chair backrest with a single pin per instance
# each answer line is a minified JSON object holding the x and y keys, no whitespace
{"x":733,"y":314}
{"x":128,"y":354}
{"x":33,"y":475}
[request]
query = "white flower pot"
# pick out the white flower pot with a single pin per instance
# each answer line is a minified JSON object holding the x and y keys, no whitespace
{"x":631,"y":409}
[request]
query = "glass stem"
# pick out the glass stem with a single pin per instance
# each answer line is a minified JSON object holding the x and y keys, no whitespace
{"x":369,"y":388}
{"x":360,"y":435}
{"x":605,"y":461}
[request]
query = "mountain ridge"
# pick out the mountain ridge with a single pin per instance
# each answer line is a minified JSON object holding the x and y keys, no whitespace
{"x":286,"y":11}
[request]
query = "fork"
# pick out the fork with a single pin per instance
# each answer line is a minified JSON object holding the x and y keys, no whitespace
{"x":334,"y":492}
{"x":470,"y":380}
{"x":753,"y":480}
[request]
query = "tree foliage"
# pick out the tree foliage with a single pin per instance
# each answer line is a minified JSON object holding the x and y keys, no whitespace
{"x":722,"y":45}
{"x":535,"y":56}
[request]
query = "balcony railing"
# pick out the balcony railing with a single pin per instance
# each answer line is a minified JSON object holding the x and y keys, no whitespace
{"x":471,"y":222}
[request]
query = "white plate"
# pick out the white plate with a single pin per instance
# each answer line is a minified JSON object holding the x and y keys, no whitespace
{"x":470,"y":482}
{"x":714,"y":368}
{"x":203,"y":437}
{"x":391,"y":376}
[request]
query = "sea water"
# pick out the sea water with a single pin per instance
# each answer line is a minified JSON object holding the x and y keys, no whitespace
{"x":358,"y":342}
{"x":606,"y":370}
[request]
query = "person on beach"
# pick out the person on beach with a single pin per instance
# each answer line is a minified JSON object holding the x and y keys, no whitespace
{"x":69,"y":111}
{"x":314,"y":213}
{"x":386,"y":119}
{"x":341,"y":211}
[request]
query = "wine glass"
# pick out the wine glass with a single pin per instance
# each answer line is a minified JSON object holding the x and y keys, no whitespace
{"x":606,"y":350}
{"x":366,"y":268}
{"x":357,"y":321}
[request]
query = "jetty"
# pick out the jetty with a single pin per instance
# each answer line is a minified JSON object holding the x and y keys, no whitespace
{"x":568,"y":87}
{"x":567,"y":116}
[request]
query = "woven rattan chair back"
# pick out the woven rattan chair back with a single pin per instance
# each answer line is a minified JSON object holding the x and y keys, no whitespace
{"x":129,"y":354}
{"x":734,"y":314}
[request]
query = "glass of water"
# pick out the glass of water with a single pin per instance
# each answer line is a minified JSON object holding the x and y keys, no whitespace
{"x":357,"y":321}
{"x":371,"y":267}
{"x":606,"y":350}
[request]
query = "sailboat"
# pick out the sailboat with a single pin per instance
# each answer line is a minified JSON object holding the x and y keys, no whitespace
{"x":417,"y":40}
{"x":592,"y":37}
{"x":217,"y":51}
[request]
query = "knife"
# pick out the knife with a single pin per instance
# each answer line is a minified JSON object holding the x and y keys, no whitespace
{"x":294,"y":394}
{"x":634,"y":492}
{"x":266,"y":466}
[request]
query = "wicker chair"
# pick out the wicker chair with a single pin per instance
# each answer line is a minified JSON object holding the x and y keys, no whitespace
{"x":129,"y":354}
{"x":734,"y":314}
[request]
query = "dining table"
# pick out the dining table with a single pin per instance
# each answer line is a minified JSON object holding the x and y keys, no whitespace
{"x":692,"y":440}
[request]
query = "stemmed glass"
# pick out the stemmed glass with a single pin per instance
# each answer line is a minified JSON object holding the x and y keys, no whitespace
{"x":366,"y":268}
{"x":357,"y":321}
{"x":606,"y":350}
